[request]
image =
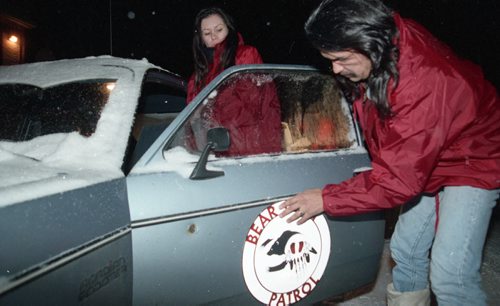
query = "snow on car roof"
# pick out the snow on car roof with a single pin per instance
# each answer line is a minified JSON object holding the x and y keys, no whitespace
{"x":70,"y":160}
{"x":45,"y":74}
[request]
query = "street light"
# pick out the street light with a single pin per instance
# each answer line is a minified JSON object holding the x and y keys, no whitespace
{"x":13,"y":39}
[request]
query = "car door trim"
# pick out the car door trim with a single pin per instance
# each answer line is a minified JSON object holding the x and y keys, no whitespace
{"x":205,"y":212}
{"x":54,"y":263}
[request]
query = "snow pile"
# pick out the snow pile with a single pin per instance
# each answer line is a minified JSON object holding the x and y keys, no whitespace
{"x":178,"y":160}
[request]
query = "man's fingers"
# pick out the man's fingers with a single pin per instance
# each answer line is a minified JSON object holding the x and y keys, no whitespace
{"x":298,"y":214}
{"x":293,"y":217}
{"x":294,"y":209}
{"x":287,"y":208}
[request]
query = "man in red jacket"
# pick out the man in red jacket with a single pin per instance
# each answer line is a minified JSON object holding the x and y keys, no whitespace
{"x":432,"y":126}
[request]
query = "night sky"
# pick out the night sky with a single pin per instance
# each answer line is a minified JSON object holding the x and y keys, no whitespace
{"x":161,"y":31}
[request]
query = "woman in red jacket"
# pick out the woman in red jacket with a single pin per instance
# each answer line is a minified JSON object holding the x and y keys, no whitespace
{"x":249,"y":111}
{"x":432,"y":125}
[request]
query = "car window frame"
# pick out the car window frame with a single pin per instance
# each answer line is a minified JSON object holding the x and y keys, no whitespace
{"x":154,"y":154}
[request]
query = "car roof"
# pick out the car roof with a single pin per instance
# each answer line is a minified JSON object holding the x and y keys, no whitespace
{"x":44,"y":74}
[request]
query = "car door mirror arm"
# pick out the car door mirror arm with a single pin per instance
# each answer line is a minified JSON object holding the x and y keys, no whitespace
{"x":218,"y":141}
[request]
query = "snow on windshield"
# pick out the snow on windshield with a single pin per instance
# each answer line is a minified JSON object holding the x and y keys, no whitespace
{"x":71,"y":160}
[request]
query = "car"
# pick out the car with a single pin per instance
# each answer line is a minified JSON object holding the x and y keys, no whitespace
{"x":115,"y":190}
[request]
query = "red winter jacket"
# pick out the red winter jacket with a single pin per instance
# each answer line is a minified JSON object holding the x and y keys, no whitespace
{"x":247,"y":107}
{"x":445,"y":131}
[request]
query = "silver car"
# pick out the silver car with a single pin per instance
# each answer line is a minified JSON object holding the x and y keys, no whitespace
{"x":114,"y":190}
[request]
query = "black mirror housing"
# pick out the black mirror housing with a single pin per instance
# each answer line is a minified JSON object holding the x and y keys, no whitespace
{"x":218,"y":140}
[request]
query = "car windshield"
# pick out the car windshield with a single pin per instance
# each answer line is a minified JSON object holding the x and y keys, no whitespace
{"x":27,"y":111}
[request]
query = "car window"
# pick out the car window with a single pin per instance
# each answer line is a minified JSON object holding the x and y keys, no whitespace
{"x":159,"y":104}
{"x":315,"y":116}
{"x":161,"y":100}
{"x":28,"y":111}
{"x":271,"y":112}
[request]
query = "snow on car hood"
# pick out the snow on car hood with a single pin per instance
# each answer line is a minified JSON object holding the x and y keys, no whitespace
{"x":23,"y":178}
{"x":51,"y":164}
{"x":58,"y":162}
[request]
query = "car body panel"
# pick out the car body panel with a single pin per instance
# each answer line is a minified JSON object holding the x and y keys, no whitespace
{"x":76,"y":218}
{"x":204,"y":252}
{"x":151,"y":195}
{"x":95,"y":276}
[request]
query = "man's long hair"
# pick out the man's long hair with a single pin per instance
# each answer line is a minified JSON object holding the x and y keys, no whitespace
{"x":364,"y":26}
{"x":201,"y":60}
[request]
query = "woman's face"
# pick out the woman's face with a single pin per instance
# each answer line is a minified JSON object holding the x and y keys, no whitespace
{"x":352,"y":65}
{"x":213,"y":30}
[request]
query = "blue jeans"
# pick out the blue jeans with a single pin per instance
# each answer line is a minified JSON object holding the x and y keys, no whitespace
{"x":456,"y":246}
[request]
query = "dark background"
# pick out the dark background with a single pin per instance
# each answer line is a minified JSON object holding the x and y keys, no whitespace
{"x":161,"y":31}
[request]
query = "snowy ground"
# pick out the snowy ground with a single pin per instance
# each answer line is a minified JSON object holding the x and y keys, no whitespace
{"x":490,"y":271}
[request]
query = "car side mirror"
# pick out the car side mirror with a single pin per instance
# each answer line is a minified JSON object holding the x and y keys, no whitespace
{"x":218,"y":141}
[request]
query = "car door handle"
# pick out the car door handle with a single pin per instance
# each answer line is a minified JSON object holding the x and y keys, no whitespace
{"x":359,"y":170}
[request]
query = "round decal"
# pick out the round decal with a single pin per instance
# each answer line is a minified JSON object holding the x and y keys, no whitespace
{"x":283,"y":262}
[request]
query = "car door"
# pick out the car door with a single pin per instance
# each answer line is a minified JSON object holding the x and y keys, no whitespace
{"x":198,"y":235}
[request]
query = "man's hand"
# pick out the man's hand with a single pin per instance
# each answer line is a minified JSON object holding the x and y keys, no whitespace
{"x":304,"y":205}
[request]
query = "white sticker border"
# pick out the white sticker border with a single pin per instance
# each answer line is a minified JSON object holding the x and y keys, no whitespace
{"x":248,"y":265}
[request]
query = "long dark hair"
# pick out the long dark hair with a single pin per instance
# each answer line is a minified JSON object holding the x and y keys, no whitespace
{"x":364,"y":26}
{"x":201,"y":61}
